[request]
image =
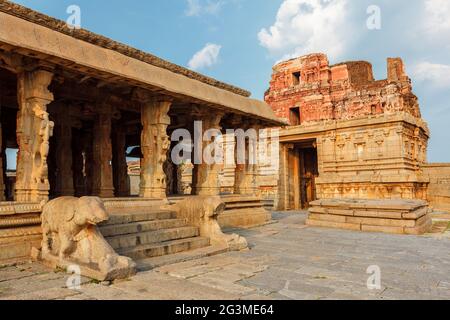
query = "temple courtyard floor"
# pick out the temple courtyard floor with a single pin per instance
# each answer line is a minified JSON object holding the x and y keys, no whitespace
{"x":287,"y":260}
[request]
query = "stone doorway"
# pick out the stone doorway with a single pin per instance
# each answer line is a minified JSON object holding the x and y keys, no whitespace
{"x":303,"y":168}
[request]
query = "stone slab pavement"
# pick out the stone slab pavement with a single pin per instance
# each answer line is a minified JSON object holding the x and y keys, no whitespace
{"x":287,"y":260}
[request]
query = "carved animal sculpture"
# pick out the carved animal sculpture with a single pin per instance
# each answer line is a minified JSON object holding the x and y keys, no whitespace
{"x":70,"y":233}
{"x":65,"y":218}
{"x":202,"y":212}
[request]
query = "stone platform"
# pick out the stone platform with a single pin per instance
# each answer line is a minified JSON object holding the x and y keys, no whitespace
{"x":19,"y":230}
{"x":388,"y":216}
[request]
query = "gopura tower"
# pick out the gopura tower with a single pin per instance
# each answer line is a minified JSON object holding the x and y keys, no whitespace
{"x":351,"y":136}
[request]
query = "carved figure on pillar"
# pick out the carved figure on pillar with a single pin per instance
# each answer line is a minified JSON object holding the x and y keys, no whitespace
{"x":155,"y":143}
{"x":33,"y":135}
{"x":207,"y":181}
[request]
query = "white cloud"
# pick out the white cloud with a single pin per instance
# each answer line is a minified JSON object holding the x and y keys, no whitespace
{"x":201,"y":7}
{"x":438,"y":75}
{"x":437,"y":15}
{"x":206,"y":57}
{"x":306,"y":26}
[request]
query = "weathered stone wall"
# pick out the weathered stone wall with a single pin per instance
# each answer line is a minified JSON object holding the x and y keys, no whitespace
{"x":373,"y":159}
{"x":438,"y":193}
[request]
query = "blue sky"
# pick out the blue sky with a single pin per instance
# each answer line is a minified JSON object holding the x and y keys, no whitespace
{"x":238,"y":41}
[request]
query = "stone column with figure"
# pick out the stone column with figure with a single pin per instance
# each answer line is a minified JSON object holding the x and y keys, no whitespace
{"x":34,"y":130}
{"x":155,"y":143}
{"x":102,"y":172}
{"x":208,"y":162}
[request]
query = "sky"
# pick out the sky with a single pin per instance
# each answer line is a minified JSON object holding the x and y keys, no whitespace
{"x":238,"y":41}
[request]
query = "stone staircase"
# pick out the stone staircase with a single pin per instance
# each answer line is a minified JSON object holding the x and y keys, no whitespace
{"x":152,"y":237}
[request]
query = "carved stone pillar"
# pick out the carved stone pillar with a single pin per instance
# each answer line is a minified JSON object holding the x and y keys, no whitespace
{"x":207,"y":181}
{"x":120,"y":167}
{"x":246,"y":174}
{"x":103,"y":186}
{"x":64,"y":160}
{"x":34,"y":130}
{"x":155,"y":144}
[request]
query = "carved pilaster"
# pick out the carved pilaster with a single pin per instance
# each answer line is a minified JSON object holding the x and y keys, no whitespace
{"x":207,"y":181}
{"x":34,"y":130}
{"x":155,"y":144}
{"x":102,"y":155}
{"x":120,"y":168}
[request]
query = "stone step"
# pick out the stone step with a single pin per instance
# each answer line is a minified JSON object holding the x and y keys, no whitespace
{"x":242,"y":205}
{"x":151,"y":237}
{"x":268,"y":204}
{"x":440,"y":216}
{"x":164,"y":248}
{"x":159,"y":261}
{"x":142,"y":226}
{"x":239,"y":198}
{"x":138,"y":215}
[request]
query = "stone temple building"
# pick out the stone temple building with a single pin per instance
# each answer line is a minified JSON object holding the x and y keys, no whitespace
{"x":351,"y":136}
{"x":73,"y":102}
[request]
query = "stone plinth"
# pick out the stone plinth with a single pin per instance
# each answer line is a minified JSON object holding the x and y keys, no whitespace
{"x":388,"y":216}
{"x":19,"y":231}
{"x":243,"y":212}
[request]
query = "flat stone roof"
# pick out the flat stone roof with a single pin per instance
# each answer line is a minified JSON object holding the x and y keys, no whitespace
{"x":99,"y":40}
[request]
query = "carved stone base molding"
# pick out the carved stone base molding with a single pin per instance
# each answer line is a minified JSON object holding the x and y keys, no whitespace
{"x":16,"y":243}
{"x":71,"y":239}
{"x":389,"y":216}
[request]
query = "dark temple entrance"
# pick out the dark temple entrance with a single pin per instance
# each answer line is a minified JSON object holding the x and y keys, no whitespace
{"x":303,"y":169}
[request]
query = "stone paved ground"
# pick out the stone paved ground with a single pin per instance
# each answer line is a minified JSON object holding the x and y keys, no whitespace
{"x":287,"y":260}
